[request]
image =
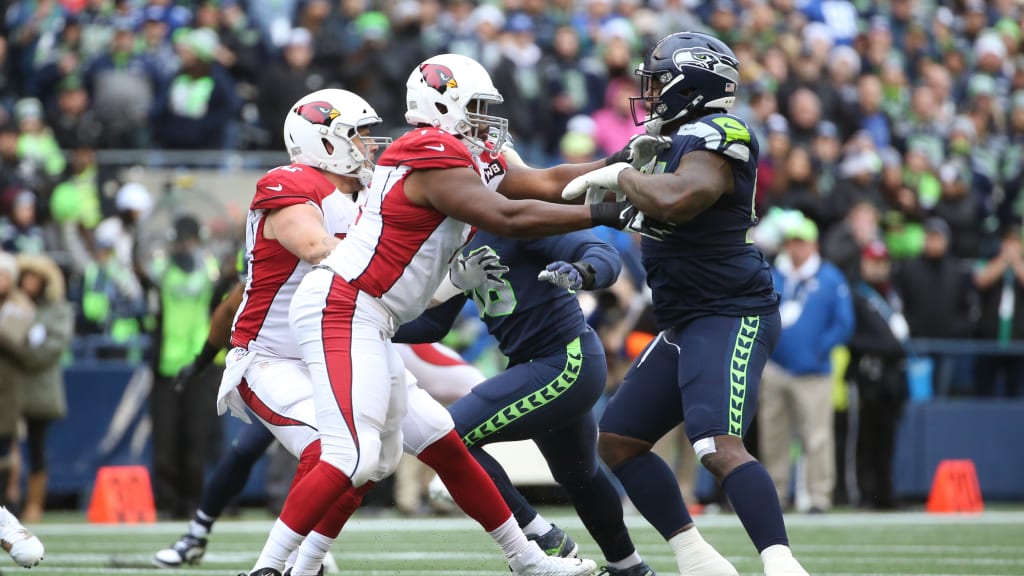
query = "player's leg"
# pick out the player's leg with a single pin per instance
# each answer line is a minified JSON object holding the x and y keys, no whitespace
{"x":646,"y":407}
{"x":429,"y":433}
{"x":443,"y":374}
{"x":720,"y":375}
{"x":225,"y":483}
{"x":343,"y":349}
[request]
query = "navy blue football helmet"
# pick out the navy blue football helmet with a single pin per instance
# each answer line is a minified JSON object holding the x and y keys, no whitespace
{"x":686,"y":74}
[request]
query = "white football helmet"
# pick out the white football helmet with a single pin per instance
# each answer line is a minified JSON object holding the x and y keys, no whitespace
{"x":453,"y":92}
{"x":322,"y":127}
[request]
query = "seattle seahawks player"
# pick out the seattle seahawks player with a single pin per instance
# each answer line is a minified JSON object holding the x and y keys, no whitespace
{"x":713,"y":300}
{"x":557,"y":371}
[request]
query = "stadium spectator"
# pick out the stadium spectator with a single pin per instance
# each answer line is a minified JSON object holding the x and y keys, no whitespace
{"x":36,"y":143}
{"x":614,"y":124}
{"x":21,"y":233}
{"x":1000,"y":284}
{"x":122,"y":83}
{"x":877,"y":370}
{"x":184,"y":421}
{"x":73,"y":120}
{"x":796,"y":394}
{"x":288,"y":79}
{"x":573,"y":83}
{"x":16,"y":313}
{"x":40,"y":356}
{"x":199,"y":103}
{"x":111,"y":297}
{"x":936,"y":281}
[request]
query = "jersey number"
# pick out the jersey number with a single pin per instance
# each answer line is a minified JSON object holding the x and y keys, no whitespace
{"x":495,"y":297}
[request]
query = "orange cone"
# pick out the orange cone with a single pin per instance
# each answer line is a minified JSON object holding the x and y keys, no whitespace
{"x":955,"y":489}
{"x":122,"y":495}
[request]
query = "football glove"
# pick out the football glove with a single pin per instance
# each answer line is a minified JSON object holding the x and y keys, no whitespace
{"x":624,"y":216}
{"x":596,"y":184}
{"x":569,"y":276}
{"x":640,"y":150}
{"x":469,"y":272}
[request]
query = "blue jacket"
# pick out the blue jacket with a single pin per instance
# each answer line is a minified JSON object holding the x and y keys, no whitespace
{"x":825,"y":320}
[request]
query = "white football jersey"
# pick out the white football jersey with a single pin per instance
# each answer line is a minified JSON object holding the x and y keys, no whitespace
{"x":261,"y":322}
{"x":397,"y":251}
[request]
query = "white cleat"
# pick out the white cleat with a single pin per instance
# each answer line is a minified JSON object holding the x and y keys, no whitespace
{"x":330,"y":564}
{"x":779,"y":561}
{"x":705,"y":561}
{"x":536,"y":563}
{"x":23,"y":546}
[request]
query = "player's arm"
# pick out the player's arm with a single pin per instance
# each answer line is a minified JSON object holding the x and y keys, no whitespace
{"x":223,"y":315}
{"x":522,"y":182}
{"x":459,"y":193}
{"x":700,"y":180}
{"x":597,"y":263}
{"x":432,"y":325}
{"x":300,"y":229}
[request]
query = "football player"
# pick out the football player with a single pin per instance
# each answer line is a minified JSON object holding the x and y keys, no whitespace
{"x":713,"y":298}
{"x":297,"y":217}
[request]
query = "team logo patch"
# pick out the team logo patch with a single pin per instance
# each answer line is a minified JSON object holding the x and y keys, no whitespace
{"x":493,"y":170}
{"x":318,"y":112}
{"x":702,"y":58}
{"x":438,"y":77}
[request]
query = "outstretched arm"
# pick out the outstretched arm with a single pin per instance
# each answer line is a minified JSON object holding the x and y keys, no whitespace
{"x":522,"y":182}
{"x":699,"y":181}
{"x":459,"y":193}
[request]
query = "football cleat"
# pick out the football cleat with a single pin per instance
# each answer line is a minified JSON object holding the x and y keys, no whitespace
{"x":23,"y":546}
{"x":187,"y":550}
{"x":542,"y":565}
{"x":556,"y":543}
{"x":641,"y":569}
{"x":261,"y":572}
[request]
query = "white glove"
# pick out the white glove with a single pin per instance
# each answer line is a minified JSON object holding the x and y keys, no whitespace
{"x":640,"y":150}
{"x":595,"y":184}
{"x":511,"y":156}
{"x":469,"y":272}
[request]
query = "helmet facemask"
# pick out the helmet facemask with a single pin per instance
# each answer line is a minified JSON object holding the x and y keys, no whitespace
{"x":483,"y":131}
{"x":658,"y":92}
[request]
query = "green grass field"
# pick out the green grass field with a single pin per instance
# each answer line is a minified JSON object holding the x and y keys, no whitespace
{"x":837,"y":544}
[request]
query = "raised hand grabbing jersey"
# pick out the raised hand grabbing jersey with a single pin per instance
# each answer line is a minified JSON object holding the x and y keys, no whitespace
{"x":709,"y":266}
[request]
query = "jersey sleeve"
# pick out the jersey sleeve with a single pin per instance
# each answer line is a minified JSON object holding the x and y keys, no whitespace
{"x":721,"y":133}
{"x":289,"y":185}
{"x":427,"y":148}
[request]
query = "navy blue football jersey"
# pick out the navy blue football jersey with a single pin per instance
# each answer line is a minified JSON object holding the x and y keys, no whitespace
{"x":531,"y":318}
{"x":709,"y":265}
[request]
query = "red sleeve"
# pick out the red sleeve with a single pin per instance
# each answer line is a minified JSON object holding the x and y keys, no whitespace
{"x":426,"y":148}
{"x":289,"y":185}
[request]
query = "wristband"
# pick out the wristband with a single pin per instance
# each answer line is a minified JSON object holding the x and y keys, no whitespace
{"x":587,"y":273}
{"x":607,"y":214}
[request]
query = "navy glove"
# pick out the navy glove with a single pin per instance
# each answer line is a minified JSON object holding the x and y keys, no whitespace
{"x":624,"y":216}
{"x":569,"y":276}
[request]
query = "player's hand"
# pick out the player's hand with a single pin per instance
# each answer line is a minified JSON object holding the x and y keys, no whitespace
{"x":640,"y":150}
{"x":186,"y":375}
{"x":624,"y":216}
{"x":639,"y":223}
{"x":469,"y":272}
{"x":596,"y":184}
{"x":562,"y":274}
